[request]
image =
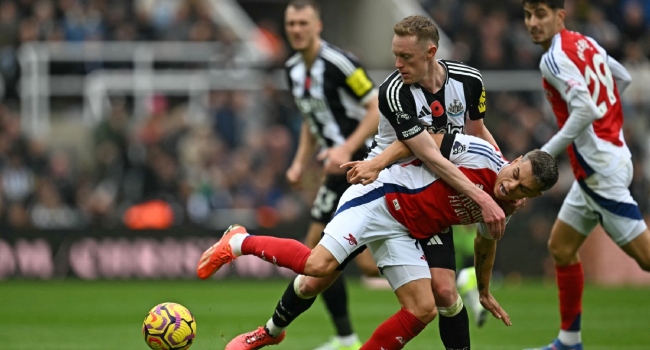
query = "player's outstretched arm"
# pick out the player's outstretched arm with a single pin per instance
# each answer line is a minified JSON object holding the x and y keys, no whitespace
{"x":367,"y":171}
{"x":425,"y":148}
{"x":484,"y":254}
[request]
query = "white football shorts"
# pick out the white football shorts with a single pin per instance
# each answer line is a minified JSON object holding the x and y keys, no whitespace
{"x":363,"y":218}
{"x":604,"y":200}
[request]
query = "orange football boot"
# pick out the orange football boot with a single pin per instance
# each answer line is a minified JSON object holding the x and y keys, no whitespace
{"x":254,"y":340}
{"x":219,"y":254}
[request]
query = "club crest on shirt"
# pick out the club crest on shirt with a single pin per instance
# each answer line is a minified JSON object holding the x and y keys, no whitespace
{"x":458,"y":148}
{"x":351,"y":239}
{"x":455,"y":108}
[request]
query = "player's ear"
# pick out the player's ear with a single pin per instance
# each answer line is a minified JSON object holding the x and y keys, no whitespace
{"x":431,"y":52}
{"x":517,"y":160}
{"x":561,"y":14}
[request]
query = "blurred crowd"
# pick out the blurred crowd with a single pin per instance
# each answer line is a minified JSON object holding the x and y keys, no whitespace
{"x":159,"y":170}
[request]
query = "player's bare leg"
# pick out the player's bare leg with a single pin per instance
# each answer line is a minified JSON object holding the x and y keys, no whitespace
{"x":639,"y":249}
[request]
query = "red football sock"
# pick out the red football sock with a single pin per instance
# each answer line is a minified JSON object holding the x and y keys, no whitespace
{"x":570,"y":282}
{"x":283,"y":252}
{"x":395,"y":332}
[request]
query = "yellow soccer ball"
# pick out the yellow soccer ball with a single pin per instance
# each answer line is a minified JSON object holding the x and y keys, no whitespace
{"x":169,"y":326}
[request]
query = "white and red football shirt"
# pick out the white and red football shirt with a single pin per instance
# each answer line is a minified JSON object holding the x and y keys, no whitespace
{"x":422,"y":202}
{"x":577,"y":73}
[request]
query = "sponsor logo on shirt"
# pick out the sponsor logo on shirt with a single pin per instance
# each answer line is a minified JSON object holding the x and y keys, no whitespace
{"x":309,"y":105}
{"x":448,"y":129}
{"x":467,"y":211}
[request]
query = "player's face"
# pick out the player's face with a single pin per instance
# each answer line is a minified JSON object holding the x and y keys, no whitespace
{"x":303,"y":27}
{"x":516,"y":181}
{"x":412,"y":57}
{"x":542,"y":22}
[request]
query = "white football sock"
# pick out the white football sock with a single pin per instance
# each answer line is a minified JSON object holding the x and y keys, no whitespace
{"x":570,"y":337}
{"x":348,"y":340}
{"x":236,"y":242}
{"x":274,"y":330}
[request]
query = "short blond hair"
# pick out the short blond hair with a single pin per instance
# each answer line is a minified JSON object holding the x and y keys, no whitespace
{"x":422,"y":27}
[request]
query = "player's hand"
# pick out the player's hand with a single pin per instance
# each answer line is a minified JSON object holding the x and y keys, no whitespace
{"x":294,"y":175}
{"x":493,"y":217}
{"x":510,"y":207}
{"x":362,"y":172}
{"x":333,"y":158}
{"x":491,"y":304}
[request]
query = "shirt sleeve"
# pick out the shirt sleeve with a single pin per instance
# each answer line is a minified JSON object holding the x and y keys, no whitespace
{"x":620,"y":73}
{"x":476,"y":99}
{"x":353,"y":76}
{"x":563,"y":74}
{"x":396,"y":103}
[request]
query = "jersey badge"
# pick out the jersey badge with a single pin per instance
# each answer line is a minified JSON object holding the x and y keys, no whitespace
{"x":351,"y":239}
{"x":456,"y":108}
{"x":396,"y":204}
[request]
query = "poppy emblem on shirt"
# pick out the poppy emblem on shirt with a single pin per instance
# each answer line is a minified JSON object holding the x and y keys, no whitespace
{"x":351,"y":239}
{"x":436,"y":109}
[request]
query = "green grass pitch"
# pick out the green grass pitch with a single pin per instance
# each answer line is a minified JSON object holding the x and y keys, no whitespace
{"x":108,"y":315}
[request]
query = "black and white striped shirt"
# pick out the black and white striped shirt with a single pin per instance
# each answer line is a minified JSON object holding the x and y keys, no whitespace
{"x":331,"y":95}
{"x":407,"y":110}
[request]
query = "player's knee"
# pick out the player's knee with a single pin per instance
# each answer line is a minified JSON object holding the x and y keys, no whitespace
{"x":562,"y":255}
{"x":311,"y":287}
{"x":453,"y":310}
{"x":444,"y":292}
{"x":425,"y":311}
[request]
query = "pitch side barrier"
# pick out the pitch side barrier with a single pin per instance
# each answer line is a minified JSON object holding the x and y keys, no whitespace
{"x":119,"y":254}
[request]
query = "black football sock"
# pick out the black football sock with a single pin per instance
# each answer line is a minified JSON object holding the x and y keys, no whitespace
{"x":290,"y":307}
{"x":336,"y":300}
{"x":454,"y":331}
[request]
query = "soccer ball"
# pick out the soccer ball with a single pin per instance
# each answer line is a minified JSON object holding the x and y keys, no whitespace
{"x":169,"y":326}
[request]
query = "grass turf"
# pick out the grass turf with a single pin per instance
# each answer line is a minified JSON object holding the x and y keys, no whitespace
{"x":108,"y":315}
